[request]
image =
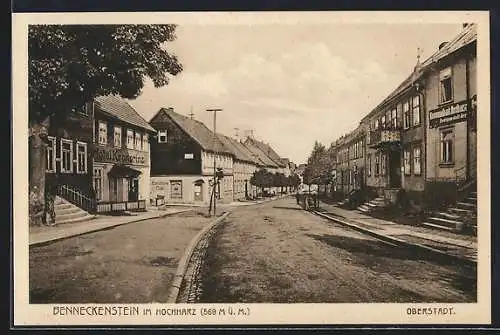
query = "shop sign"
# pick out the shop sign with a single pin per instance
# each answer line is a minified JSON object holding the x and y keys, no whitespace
{"x":120,"y":156}
{"x":390,"y":136}
{"x":450,"y":114}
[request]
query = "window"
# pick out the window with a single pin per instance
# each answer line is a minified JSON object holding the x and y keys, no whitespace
{"x":406,"y":115}
{"x":407,"y":162}
{"x":377,"y":164}
{"x":103,"y":132}
{"x":376,"y":124}
{"x":416,"y":111}
{"x":394,"y":119}
{"x":382,"y":164}
{"x":399,"y":114}
{"x":445,"y":85}
{"x":369,"y":163}
{"x":382,"y":122}
{"x":447,"y":146}
{"x":145,"y":142}
{"x":51,"y":155}
{"x":417,"y":166}
{"x":138,"y":139}
{"x":118,"y":137}
{"x":81,"y":109}
{"x":176,"y":189}
{"x":81,"y":157}
{"x":162,"y":136}
{"x":66,"y":156}
{"x":130,"y":139}
{"x":98,"y":183}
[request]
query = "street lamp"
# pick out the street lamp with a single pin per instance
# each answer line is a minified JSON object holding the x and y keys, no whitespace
{"x":214,"y":110}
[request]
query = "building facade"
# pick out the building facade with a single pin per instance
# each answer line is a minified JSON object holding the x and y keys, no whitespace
{"x":68,"y":155}
{"x":244,"y":167}
{"x":422,"y":137}
{"x":183,"y":154}
{"x":450,"y":99}
{"x":121,"y":155}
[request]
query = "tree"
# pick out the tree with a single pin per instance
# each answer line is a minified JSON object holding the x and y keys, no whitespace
{"x":294,"y":180}
{"x":262,"y":178}
{"x":318,"y":168}
{"x":69,"y":65}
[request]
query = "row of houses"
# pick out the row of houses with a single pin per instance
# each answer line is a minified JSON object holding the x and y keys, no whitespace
{"x":106,"y":157}
{"x":422,"y":137}
{"x":184,"y":154}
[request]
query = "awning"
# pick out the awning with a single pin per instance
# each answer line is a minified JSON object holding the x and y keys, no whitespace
{"x":123,"y":171}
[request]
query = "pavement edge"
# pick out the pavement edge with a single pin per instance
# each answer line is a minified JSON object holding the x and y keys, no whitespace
{"x":184,"y":261}
{"x":393,"y":240}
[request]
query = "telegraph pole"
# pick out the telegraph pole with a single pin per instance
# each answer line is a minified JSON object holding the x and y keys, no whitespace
{"x":215,"y":110}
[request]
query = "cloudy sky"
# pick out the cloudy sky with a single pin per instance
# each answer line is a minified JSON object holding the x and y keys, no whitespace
{"x":290,"y":84}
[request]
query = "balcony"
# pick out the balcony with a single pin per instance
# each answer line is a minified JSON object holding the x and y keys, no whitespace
{"x":384,"y":137}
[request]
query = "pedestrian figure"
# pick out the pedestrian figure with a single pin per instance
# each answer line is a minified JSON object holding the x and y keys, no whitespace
{"x":50,"y":197}
{"x":37,"y":212}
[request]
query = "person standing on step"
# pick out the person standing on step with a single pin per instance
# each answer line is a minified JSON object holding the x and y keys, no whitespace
{"x":50,"y":197}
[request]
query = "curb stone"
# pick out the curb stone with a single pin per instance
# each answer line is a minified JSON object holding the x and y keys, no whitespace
{"x":395,"y":241}
{"x":184,"y":261}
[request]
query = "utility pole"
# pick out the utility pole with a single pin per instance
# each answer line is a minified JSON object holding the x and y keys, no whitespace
{"x":191,"y":114}
{"x":215,"y":110}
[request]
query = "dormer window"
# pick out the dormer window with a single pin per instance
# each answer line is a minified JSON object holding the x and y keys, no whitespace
{"x":162,"y":136}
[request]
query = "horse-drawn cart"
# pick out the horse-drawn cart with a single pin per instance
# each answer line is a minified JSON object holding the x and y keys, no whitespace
{"x":307,"y":197}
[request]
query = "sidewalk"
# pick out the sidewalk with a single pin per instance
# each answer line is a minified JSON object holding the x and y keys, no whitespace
{"x":40,"y":235}
{"x":461,"y":246}
{"x":230,"y":204}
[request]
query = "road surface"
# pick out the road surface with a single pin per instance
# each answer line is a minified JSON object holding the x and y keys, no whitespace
{"x":277,"y":253}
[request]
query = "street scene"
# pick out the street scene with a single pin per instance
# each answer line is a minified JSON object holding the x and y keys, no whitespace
{"x":291,"y":168}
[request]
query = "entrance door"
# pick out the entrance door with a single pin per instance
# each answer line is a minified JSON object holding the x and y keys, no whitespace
{"x":133,"y":190}
{"x":395,"y":169}
{"x":198,"y":191}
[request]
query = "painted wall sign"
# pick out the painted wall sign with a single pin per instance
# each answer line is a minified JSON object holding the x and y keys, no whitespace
{"x":119,"y":155}
{"x":453,"y":113}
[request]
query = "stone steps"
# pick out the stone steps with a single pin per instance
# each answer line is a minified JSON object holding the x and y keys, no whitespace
{"x":66,"y":212}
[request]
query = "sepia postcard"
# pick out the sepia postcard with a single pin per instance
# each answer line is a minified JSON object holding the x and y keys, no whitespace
{"x":251,"y":168}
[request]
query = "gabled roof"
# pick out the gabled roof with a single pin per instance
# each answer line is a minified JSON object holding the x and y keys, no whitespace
{"x":265,"y":160}
{"x":197,"y":131}
{"x":267,"y":150}
{"x":120,"y":109}
{"x":239,"y":151}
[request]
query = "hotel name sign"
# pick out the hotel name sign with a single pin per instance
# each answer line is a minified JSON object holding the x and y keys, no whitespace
{"x":119,"y":156}
{"x":450,"y":114}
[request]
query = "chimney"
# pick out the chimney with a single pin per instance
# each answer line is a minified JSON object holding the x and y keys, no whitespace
{"x":464,"y":25}
{"x":442,"y":44}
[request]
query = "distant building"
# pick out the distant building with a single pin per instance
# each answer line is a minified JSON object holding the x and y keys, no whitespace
{"x":244,"y":166}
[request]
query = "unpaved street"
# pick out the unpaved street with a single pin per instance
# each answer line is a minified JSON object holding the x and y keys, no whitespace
{"x":276,"y":253}
{"x":131,"y":263}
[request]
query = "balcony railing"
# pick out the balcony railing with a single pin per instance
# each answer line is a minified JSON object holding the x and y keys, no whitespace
{"x":383,"y":136}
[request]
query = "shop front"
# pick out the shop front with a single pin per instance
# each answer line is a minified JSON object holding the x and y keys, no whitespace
{"x":121,"y":179}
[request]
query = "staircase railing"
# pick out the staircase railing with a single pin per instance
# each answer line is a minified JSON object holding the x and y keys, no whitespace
{"x":77,"y":198}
